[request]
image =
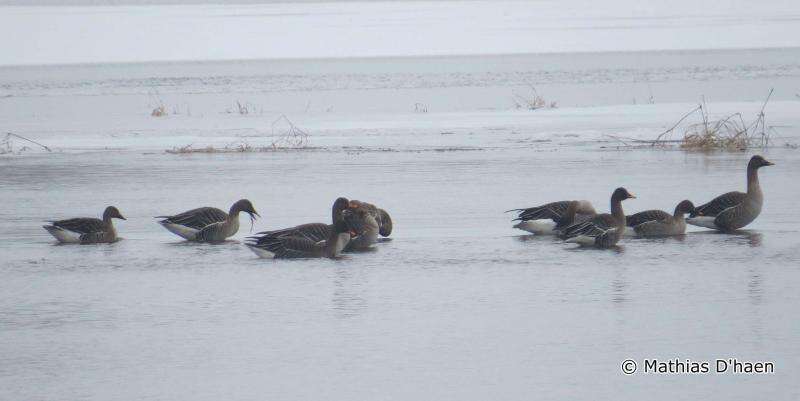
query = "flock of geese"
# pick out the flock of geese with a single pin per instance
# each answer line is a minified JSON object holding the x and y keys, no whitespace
{"x":578,"y":222}
{"x":357,"y":225}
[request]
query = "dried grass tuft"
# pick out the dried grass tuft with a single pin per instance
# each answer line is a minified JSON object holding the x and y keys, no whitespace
{"x":730,"y":133}
{"x":287,"y":136}
{"x":532,"y":100}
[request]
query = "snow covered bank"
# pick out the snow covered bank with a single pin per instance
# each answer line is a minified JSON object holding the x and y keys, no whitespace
{"x":48,"y":35}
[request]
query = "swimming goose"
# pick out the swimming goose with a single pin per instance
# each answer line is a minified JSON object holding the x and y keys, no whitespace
{"x":381,"y":216}
{"x":550,"y":218}
{"x":363,"y":222}
{"x":658,"y":223}
{"x":208,"y":224}
{"x":733,"y":210}
{"x":86,"y":230}
{"x":603,"y":230}
{"x":313,"y":231}
{"x":306,"y":241}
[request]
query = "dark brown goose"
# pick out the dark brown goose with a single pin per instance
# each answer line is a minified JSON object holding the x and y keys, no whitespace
{"x":658,"y":223}
{"x":86,"y":230}
{"x":733,"y":210}
{"x":550,"y":218}
{"x":208,"y":224}
{"x":603,"y":230}
{"x":361,"y":223}
{"x":313,"y":240}
{"x":365,"y":221}
{"x":381,"y":216}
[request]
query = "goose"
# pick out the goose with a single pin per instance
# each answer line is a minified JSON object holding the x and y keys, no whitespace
{"x":550,"y":218}
{"x":733,"y":210}
{"x":313,"y":240}
{"x":381,"y":216}
{"x":208,"y":224}
{"x":658,"y":223}
{"x":603,"y":230}
{"x":86,"y":230}
{"x":363,"y":220}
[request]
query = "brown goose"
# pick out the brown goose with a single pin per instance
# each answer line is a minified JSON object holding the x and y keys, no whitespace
{"x":381,"y":216}
{"x":658,"y":223}
{"x":603,"y":230}
{"x":364,"y":220}
{"x":364,"y":223}
{"x":313,"y":240}
{"x":550,"y":218}
{"x":208,"y":224}
{"x":86,"y":230}
{"x":733,"y":210}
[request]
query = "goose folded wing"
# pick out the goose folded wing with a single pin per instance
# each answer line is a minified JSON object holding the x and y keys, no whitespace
{"x":553,"y":211}
{"x":82,"y":225}
{"x":287,"y":246}
{"x":645,"y":217}
{"x":314,"y":232}
{"x":719,"y":204}
{"x":197,"y":218}
{"x":593,"y":227}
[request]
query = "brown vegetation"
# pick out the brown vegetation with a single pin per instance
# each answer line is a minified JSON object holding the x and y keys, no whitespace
{"x":286,"y":136}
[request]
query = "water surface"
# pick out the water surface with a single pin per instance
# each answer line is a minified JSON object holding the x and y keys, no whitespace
{"x":456,"y":306}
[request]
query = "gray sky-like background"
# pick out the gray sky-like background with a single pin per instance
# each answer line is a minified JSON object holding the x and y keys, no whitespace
{"x":147,"y":2}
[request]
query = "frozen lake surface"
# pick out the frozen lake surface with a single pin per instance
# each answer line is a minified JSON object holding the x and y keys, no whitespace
{"x":458,"y":305}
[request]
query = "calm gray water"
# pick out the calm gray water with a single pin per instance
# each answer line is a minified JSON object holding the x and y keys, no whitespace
{"x":456,"y":306}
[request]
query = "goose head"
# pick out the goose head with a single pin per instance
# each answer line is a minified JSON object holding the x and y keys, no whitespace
{"x":685,"y":207}
{"x":757,"y":162}
{"x":244,"y":205}
{"x":620,"y":194}
{"x":339,"y":205}
{"x":112,"y":212}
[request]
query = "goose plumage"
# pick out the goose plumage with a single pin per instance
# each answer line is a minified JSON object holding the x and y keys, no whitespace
{"x":603,"y":230}
{"x":550,"y":218}
{"x":313,"y":240}
{"x":208,"y":224}
{"x":86,"y":230}
{"x":363,"y":221}
{"x":658,"y":223}
{"x":733,"y":210}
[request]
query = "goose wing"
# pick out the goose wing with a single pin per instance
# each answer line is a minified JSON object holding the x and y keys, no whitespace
{"x":645,"y":217}
{"x":553,"y":211}
{"x":82,"y":225}
{"x":196,"y":218}
{"x":314,"y":232}
{"x":719,"y":204}
{"x":287,"y":246}
{"x":598,"y":225}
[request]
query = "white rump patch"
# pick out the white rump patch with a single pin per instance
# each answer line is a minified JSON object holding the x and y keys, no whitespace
{"x":541,"y":227}
{"x":262,"y":253}
{"x":584,"y":240}
{"x":64,"y":236}
{"x":179,"y":230}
